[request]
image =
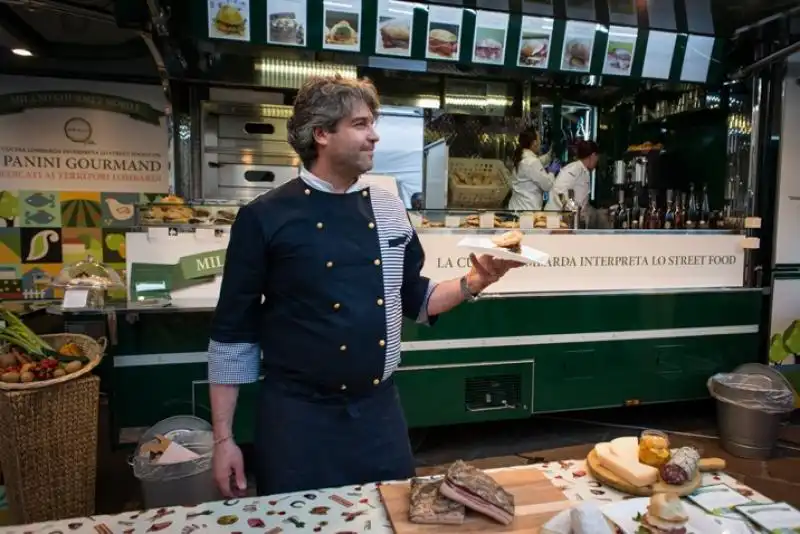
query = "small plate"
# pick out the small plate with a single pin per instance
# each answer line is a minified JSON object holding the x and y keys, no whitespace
{"x":484,"y":245}
{"x":624,"y":514}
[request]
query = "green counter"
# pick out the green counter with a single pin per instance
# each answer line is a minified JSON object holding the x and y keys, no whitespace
{"x":498,"y":358}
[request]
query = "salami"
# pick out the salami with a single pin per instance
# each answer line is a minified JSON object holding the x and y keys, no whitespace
{"x":682,"y":467}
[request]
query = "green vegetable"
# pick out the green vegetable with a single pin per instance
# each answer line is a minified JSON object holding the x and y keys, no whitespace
{"x":791,"y":337}
{"x":778,"y":351}
{"x":16,"y":333}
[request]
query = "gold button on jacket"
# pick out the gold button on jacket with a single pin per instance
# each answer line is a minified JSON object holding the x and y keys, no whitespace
{"x":376,"y":382}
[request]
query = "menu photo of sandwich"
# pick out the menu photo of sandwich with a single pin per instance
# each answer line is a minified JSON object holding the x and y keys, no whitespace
{"x":534,"y":50}
{"x":489,"y":45}
{"x":342,"y":30}
{"x":619,"y":58}
{"x":394,"y":36}
{"x":228,"y":20}
{"x":285,"y":28}
{"x":443,"y":41}
{"x":577,"y":55}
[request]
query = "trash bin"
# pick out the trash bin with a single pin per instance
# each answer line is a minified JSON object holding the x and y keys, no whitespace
{"x":752,"y":402}
{"x":186,"y":483}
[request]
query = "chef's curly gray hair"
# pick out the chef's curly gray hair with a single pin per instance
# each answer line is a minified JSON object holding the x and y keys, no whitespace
{"x":321,"y":103}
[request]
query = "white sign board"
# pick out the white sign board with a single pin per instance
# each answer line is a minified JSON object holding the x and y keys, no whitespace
{"x":73,"y":135}
{"x":787,"y":246}
{"x":598,"y":262}
{"x":578,"y":262}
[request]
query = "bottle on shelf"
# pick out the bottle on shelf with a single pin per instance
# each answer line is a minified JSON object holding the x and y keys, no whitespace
{"x":622,"y":215}
{"x":637,"y":214}
{"x":704,"y":217}
{"x":669,"y":213}
{"x":691,"y":209}
{"x":653,"y":217}
{"x":680,"y":212}
{"x":571,"y":209}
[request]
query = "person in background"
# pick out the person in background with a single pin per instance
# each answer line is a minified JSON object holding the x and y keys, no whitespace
{"x":576,"y":176}
{"x":319,"y":274}
{"x":530,"y":180}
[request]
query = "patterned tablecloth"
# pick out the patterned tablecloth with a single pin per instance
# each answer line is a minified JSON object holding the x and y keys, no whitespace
{"x":348,"y":510}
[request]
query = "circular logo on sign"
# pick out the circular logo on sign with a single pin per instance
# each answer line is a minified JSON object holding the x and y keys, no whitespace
{"x":78,"y":130}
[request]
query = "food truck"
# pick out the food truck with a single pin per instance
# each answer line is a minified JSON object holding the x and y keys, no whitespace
{"x":664,"y":280}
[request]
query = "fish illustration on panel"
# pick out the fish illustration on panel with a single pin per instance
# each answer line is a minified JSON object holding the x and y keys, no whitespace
{"x":41,"y":200}
{"x":39,"y":218}
{"x":40,"y":208}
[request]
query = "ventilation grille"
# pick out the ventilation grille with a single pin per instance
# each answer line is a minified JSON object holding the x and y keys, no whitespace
{"x":495,"y":391}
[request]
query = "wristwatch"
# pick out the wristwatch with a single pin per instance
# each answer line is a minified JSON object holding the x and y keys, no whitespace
{"x":466,"y":293}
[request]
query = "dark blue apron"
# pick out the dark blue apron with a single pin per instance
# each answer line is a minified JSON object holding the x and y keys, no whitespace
{"x":308,"y":438}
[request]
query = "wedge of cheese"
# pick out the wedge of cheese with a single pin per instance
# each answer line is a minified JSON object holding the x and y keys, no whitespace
{"x":627,"y":447}
{"x":626,"y":467}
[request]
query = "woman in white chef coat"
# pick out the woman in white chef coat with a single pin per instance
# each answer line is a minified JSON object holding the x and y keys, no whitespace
{"x":576,"y":176}
{"x":530,"y":179}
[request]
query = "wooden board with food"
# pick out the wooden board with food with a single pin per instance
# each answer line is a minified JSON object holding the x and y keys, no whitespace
{"x":467,"y":499}
{"x":28,"y":361}
{"x":647,"y":465}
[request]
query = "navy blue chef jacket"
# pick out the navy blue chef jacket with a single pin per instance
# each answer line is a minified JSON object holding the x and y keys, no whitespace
{"x":314,"y":291}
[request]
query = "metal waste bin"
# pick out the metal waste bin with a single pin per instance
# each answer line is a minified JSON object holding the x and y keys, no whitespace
{"x":752,"y":402}
{"x":180,"y":484}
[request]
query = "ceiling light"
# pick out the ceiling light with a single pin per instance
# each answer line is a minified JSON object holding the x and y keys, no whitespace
{"x":22,"y":52}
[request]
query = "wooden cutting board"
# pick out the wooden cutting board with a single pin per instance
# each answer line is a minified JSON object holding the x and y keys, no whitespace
{"x":604,"y":476}
{"x":535,"y":498}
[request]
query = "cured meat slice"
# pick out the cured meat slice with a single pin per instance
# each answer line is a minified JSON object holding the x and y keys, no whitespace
{"x":429,"y":506}
{"x":478,"y":491}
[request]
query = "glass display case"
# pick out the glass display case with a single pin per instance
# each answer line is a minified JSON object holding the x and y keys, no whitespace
{"x":85,"y":284}
{"x":179,"y":213}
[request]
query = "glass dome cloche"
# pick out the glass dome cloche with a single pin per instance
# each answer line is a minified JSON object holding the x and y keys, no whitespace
{"x":88,"y":274}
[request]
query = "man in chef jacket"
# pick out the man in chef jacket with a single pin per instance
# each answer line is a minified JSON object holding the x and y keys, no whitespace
{"x":319,"y":274}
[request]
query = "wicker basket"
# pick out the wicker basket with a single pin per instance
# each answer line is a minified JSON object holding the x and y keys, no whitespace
{"x":493,"y":180}
{"x":89,"y":347}
{"x":48,"y":450}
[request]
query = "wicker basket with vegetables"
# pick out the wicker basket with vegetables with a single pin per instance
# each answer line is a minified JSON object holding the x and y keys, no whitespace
{"x":28,"y":361}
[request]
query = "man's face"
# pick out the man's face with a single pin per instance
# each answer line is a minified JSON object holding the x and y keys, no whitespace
{"x":352,"y":145}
